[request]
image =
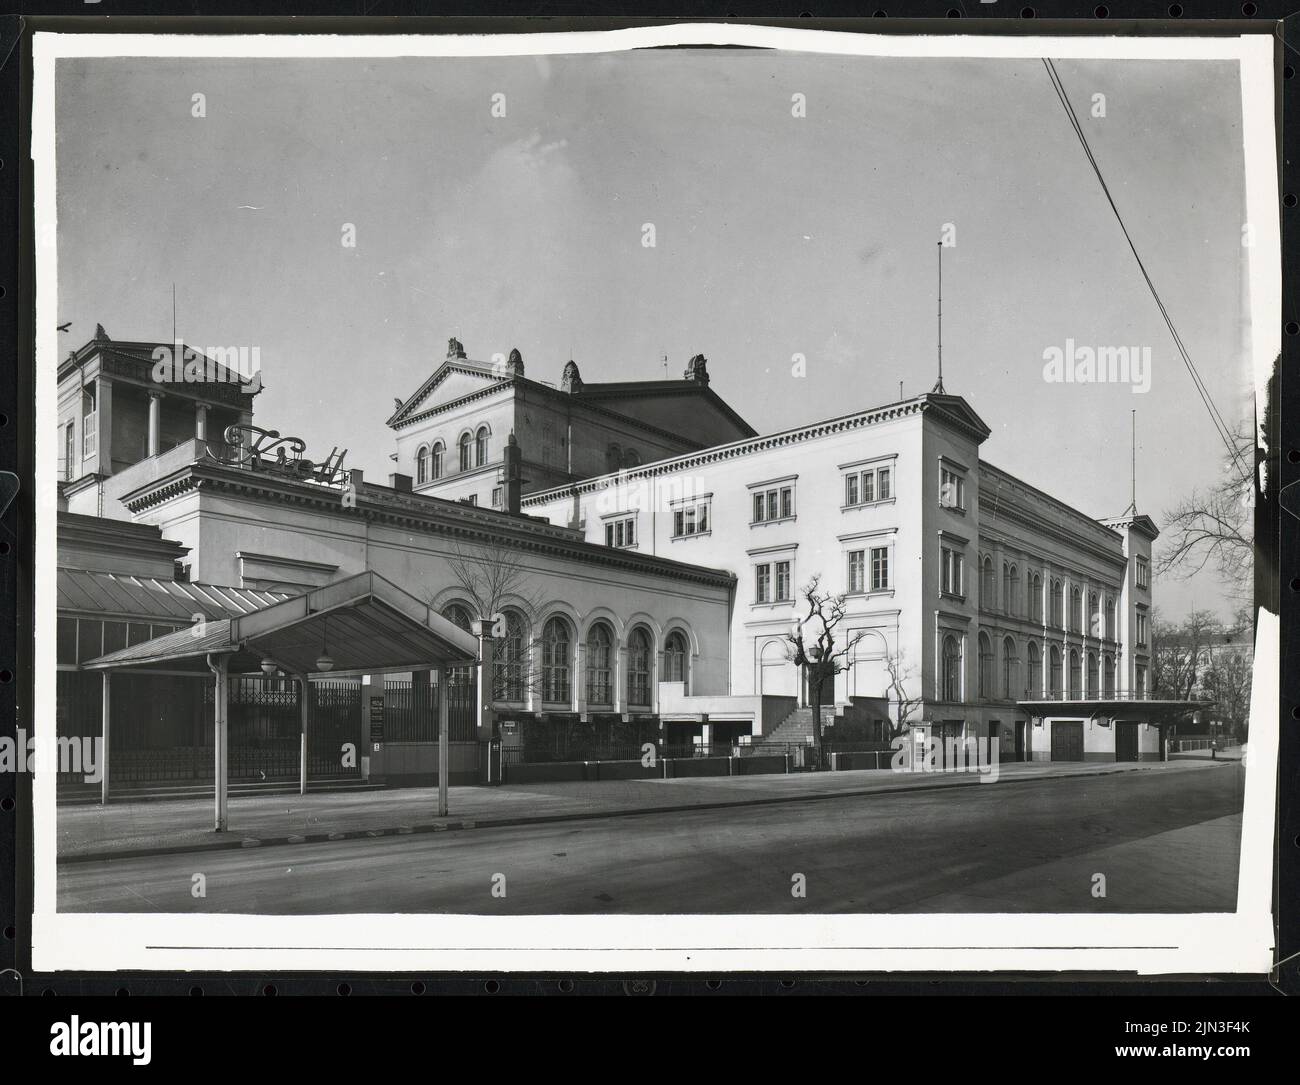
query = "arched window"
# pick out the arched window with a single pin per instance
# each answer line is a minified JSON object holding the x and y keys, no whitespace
{"x":988,"y":586}
{"x":511,"y":660}
{"x":458,"y":615}
{"x":1057,"y":601}
{"x":1054,"y":672}
{"x":951,"y":670}
{"x":1110,"y":618}
{"x":675,"y":658}
{"x":1094,"y":615}
{"x":481,"y":446}
{"x":556,"y":666}
{"x":422,"y":464}
{"x":613,"y":458}
{"x":1076,"y":676}
{"x":639,"y":656}
{"x":1076,"y":610}
{"x":1036,"y":596}
{"x":1035,"y":669}
{"x":600,"y":670}
{"x":466,"y":444}
{"x":1010,"y":670}
{"x":1091,"y":691}
{"x":986,"y":655}
{"x":1010,"y":588}
{"x":631,"y":458}
{"x":436,"y":457}
{"x":1108,"y":676}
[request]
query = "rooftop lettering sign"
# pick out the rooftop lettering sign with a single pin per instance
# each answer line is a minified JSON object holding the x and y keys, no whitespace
{"x":255,"y":449}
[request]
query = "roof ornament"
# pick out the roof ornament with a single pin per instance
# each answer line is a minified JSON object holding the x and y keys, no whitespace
{"x":100,"y":334}
{"x":515,"y":364}
{"x":571,"y":379}
{"x":455,"y":348}
{"x":697,"y":370}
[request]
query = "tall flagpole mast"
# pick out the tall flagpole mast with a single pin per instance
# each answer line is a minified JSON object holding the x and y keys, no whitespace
{"x":1133,"y":465}
{"x":939,"y":384}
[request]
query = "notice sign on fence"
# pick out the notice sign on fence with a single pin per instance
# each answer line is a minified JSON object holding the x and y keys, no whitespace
{"x":376,"y":719}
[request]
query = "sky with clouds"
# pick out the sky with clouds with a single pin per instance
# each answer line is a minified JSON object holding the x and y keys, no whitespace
{"x":776,"y":235}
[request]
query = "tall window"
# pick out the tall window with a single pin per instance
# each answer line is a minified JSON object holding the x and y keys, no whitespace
{"x":675,"y":657}
{"x":89,"y":421}
{"x":951,"y":670}
{"x":600,"y":689}
{"x":556,"y":665}
{"x":481,"y":446}
{"x":613,"y":458}
{"x":880,"y":568}
{"x":422,"y":464}
{"x":857,"y":571}
{"x":772,"y":583}
{"x":435,"y":465}
{"x":986,"y":665}
{"x":1054,"y":671}
{"x":1058,"y":594}
{"x":1110,"y":618}
{"x":1010,"y":588}
{"x":1142,"y":572}
{"x":1010,"y":670}
{"x":1036,"y":597}
{"x":639,"y":654}
{"x":1035,"y":659}
{"x":512,"y":659}
{"x":465,"y":449}
{"x":1091,"y":690}
{"x":1094,"y":614}
{"x":1108,"y":676}
{"x":988,"y":585}
{"x":1076,"y":610}
{"x":459,"y":617}
{"x":1076,"y":675}
{"x":952,"y":489}
{"x":69,"y":450}
{"x":952,"y":571}
{"x":1140,"y":630}
{"x":1140,"y":682}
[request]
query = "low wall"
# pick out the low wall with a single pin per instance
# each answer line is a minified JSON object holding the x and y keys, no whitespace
{"x":848,"y":762}
{"x":415,"y":764}
{"x":760,"y":765}
{"x":678,"y":767}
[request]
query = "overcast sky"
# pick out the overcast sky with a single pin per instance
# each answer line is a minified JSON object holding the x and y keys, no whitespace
{"x":775,"y":235}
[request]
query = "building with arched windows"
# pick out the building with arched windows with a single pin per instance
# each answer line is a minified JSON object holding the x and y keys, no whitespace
{"x":648,"y":552}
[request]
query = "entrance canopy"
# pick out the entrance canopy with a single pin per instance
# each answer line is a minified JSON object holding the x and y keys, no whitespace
{"x":1156,"y":710}
{"x":363,"y":624}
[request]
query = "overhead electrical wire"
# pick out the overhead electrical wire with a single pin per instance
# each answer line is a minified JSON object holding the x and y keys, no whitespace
{"x":1220,"y":426}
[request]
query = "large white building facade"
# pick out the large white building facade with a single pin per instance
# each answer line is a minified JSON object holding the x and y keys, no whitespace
{"x":657,"y":546}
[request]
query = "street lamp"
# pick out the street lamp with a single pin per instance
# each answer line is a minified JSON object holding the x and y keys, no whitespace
{"x":323,"y":661}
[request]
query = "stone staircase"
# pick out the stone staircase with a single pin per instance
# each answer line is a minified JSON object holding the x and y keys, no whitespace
{"x":797,"y":728}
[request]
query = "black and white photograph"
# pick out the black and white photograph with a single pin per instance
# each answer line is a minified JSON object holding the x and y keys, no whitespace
{"x":714,"y":495}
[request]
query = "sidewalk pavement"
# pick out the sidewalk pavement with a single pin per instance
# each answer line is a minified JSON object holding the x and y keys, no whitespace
{"x":129,"y":830}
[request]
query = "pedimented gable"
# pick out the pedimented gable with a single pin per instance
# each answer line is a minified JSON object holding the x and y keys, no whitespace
{"x":450,"y":381}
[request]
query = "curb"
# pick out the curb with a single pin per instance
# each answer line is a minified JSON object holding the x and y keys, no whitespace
{"x":239,"y":843}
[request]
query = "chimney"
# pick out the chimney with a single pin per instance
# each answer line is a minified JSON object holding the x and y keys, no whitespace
{"x":400,"y":482}
{"x":512,"y":475}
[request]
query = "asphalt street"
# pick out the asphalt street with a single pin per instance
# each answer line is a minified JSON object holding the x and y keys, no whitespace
{"x":1163,"y":842}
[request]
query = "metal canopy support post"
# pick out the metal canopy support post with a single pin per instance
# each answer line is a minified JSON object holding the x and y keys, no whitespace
{"x":444,"y":744}
{"x":304,"y":695}
{"x":220,"y":737}
{"x":103,"y":740}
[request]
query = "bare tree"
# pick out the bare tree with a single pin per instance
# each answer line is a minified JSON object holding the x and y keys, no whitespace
{"x":901,"y":677}
{"x":1179,"y":653}
{"x":1226,"y":682}
{"x":495,"y":583}
{"x":812,"y":644}
{"x":1215,"y":525}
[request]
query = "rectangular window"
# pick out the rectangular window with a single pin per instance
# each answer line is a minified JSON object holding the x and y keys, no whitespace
{"x":851,"y":489}
{"x":496,"y":497}
{"x":783,"y":582}
{"x":1141,"y":630}
{"x":775,"y":504}
{"x":69,"y":451}
{"x":952,"y":489}
{"x":879,"y":568}
{"x":1143,"y":573}
{"x":1140,"y":681}
{"x":762,"y":583}
{"x":856,"y":570}
{"x":621,"y":532}
{"x":691,"y":519}
{"x":883,"y":481}
{"x":868,"y":487}
{"x":952,"y":570}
